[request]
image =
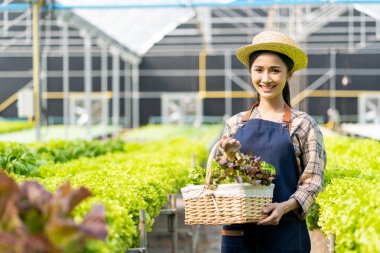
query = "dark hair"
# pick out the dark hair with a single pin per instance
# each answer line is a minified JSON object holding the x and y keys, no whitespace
{"x":289,"y":64}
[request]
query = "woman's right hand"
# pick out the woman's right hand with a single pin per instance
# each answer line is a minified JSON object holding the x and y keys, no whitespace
{"x":230,"y":147}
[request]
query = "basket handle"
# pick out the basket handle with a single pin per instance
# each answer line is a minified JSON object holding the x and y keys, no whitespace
{"x":209,"y":163}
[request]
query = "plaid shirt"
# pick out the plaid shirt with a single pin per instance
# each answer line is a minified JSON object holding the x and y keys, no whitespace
{"x":309,"y":149}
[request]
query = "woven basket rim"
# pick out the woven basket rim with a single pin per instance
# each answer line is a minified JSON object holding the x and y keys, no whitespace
{"x":232,"y":186}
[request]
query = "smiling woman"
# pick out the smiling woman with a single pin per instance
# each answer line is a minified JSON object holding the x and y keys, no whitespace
{"x":284,"y":137}
{"x":270,"y":72}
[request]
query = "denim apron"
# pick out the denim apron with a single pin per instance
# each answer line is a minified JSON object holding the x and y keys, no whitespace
{"x":271,"y":141}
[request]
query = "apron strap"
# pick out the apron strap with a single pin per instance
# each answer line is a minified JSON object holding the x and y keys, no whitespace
{"x":248,"y":113}
{"x":287,"y":115}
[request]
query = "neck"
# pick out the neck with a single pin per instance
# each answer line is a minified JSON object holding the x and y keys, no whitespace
{"x":270,"y":106}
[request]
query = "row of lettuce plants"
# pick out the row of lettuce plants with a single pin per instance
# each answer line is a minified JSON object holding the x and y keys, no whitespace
{"x":138,"y":177}
{"x":25,"y":159}
{"x":349,"y":204}
{"x":13,"y":126}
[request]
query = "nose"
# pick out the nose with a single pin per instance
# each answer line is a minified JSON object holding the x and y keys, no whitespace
{"x":265,"y":78}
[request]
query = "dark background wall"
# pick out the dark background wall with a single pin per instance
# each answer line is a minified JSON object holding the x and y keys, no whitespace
{"x":186,"y":82}
{"x":317,"y":106}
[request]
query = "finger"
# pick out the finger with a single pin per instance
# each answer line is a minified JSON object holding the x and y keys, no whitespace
{"x":267,"y":221}
{"x":270,"y":208}
{"x":233,"y":144}
{"x":227,"y":144}
{"x":224,"y":143}
{"x":272,"y":219}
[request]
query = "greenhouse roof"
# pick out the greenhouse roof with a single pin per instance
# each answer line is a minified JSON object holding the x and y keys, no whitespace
{"x":137,"y":29}
{"x":372,"y":10}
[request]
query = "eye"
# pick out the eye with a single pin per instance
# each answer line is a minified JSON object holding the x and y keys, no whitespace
{"x":276,"y":70}
{"x":257,"y":69}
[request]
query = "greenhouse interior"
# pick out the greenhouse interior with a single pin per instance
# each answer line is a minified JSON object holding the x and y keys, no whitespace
{"x":108,"y":108}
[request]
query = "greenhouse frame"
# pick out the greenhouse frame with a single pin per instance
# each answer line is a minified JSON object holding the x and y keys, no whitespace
{"x":120,"y":102}
{"x":105,"y":52}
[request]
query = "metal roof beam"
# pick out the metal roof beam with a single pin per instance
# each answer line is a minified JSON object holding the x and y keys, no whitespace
{"x":80,"y":24}
{"x":240,"y":39}
{"x":242,"y":27}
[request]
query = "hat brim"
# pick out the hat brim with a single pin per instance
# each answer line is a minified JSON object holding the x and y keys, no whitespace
{"x":298,"y":57}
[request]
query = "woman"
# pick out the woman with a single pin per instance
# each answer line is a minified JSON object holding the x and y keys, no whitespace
{"x":287,"y":138}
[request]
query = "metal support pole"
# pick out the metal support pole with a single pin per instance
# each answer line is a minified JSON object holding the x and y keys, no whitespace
{"x":28,"y":25}
{"x":136,"y":95}
{"x":333,"y":79}
{"x":377,"y":118}
{"x":204,"y":18}
{"x":195,"y":237}
{"x":331,"y":244}
{"x":143,"y":238}
{"x":361,"y":109}
{"x":362,"y":30}
{"x":36,"y":69}
{"x":115,"y":90}
{"x":298,"y":19}
{"x":171,"y":212}
{"x":143,"y":231}
{"x":5,"y":18}
{"x":228,"y":83}
{"x":127,"y":92}
{"x":44,"y":70}
{"x":88,"y":80}
{"x":65,"y":77}
{"x":351,"y":34}
{"x":104,"y":84}
{"x":174,"y":218}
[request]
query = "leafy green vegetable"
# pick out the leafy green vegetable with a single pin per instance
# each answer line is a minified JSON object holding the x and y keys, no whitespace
{"x":349,"y":204}
{"x":63,"y":151}
{"x":16,"y":158}
{"x":268,"y":167}
{"x":196,"y":176}
{"x":12,"y":126}
{"x":25,"y":160}
{"x":34,"y":220}
{"x":349,"y":208}
{"x":246,"y":168}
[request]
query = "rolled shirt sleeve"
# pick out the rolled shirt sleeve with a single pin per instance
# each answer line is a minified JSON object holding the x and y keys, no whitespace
{"x":312,"y":163}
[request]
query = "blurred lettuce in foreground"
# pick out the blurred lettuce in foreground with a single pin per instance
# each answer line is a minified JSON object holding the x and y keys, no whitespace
{"x":34,"y":220}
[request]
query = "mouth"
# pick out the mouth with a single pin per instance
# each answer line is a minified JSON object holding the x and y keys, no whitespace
{"x":267,"y":88}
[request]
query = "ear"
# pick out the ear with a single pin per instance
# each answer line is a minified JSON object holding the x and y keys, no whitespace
{"x":290,"y":75}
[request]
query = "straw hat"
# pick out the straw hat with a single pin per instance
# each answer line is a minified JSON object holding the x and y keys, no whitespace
{"x":277,"y":42}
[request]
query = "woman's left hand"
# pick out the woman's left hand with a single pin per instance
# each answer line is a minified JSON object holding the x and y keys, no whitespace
{"x":276,"y":211}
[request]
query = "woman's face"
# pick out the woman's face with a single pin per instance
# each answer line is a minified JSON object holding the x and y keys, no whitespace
{"x":269,"y":75}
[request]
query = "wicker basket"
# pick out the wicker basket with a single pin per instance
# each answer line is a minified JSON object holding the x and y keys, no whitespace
{"x":227,"y":204}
